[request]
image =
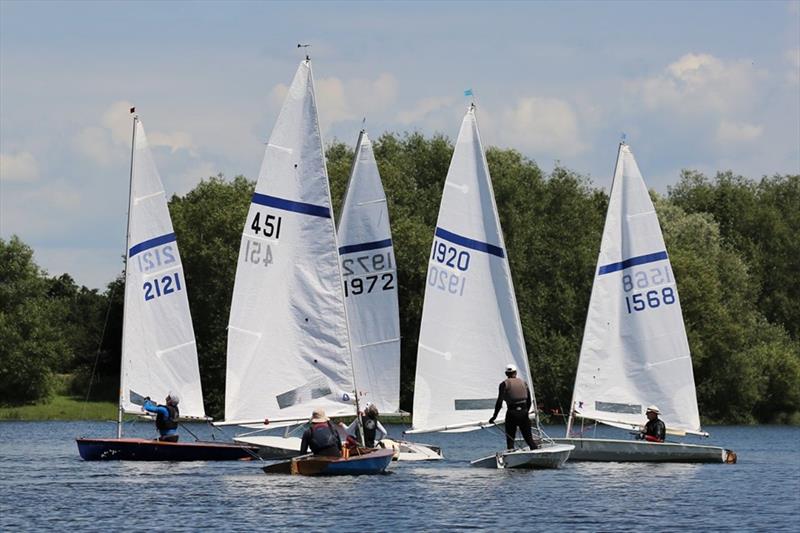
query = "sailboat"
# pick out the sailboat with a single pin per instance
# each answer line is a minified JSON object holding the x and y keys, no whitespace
{"x":159,"y":354}
{"x":370,"y":287}
{"x":470,"y":322}
{"x":288,"y":342}
{"x":634,"y":351}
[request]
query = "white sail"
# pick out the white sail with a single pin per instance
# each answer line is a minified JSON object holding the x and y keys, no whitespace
{"x":288,"y":347}
{"x":634,"y":351}
{"x":470,"y":324}
{"x":370,"y":282}
{"x":159,"y":355}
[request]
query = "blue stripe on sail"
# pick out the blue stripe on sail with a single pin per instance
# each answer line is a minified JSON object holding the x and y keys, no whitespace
{"x":151,"y":243}
{"x":289,"y":205}
{"x":633,"y":261}
{"x":364,"y":246}
{"x":470,"y":243}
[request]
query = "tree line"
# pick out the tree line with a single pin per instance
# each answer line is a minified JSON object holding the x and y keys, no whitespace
{"x":733,"y":244}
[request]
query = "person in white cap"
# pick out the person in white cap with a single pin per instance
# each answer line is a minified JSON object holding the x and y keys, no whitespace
{"x":517,"y":395}
{"x":166,"y":416}
{"x":321,"y":437}
{"x":654,"y":430}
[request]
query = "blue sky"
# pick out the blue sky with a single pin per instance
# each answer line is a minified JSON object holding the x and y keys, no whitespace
{"x":702,"y":85}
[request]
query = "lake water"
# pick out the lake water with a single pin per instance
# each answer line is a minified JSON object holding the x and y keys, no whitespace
{"x":46,"y":486}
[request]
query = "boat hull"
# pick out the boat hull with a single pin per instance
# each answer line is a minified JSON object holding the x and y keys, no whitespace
{"x":271,"y":447}
{"x":412,"y":451}
{"x":617,"y":450}
{"x":552,"y":456}
{"x":153,"y":450}
{"x":369,"y":463}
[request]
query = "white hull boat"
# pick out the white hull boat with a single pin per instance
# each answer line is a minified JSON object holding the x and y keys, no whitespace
{"x":412,"y":451}
{"x":617,"y":450}
{"x":635,"y":351}
{"x":552,"y":456}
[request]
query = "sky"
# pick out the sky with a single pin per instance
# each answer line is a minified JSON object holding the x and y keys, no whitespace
{"x":708,"y":86}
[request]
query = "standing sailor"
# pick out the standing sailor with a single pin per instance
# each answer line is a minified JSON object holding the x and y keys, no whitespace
{"x":166,"y":416}
{"x":517,"y":395}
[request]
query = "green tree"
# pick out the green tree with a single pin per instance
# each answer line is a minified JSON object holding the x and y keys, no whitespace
{"x":31,"y":341}
{"x":208,"y":225}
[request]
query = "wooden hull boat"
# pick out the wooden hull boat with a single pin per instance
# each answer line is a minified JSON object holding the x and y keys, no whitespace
{"x":154,"y":450}
{"x":553,"y":456}
{"x":618,"y":450}
{"x":367,"y":462}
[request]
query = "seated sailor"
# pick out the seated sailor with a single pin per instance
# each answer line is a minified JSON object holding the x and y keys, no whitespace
{"x":654,"y":430}
{"x":321,"y":437}
{"x":166,"y":416}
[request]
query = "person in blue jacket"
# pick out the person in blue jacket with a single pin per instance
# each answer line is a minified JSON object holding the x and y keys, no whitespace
{"x":166,"y":417}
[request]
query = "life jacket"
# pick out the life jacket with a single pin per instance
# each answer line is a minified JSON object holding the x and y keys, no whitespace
{"x":516,"y":392}
{"x":166,"y":424}
{"x":323,"y":436}
{"x":370,"y":426}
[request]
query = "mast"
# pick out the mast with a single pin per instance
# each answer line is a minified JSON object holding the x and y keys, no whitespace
{"x":571,"y":417}
{"x":125,"y":272}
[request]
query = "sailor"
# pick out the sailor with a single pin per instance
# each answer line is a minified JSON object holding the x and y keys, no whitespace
{"x":373,"y":429}
{"x":517,"y":395}
{"x":654,"y":430}
{"x":166,"y":416}
{"x":321,"y":437}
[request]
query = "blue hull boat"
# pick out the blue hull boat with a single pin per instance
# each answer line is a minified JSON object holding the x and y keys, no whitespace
{"x":153,"y":450}
{"x":368,"y":462}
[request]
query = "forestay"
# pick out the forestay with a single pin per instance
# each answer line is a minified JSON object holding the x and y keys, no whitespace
{"x":288,"y":350}
{"x":158,"y":346}
{"x":634,"y":351}
{"x":370,"y":283}
{"x":470,"y":325}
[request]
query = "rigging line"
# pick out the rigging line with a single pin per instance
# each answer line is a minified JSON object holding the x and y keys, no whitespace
{"x":99,"y":348}
{"x":246,"y":448}
{"x":196,"y":438}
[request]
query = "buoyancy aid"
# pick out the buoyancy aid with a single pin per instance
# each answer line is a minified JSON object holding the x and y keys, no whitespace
{"x":370,"y":429}
{"x":165,"y":424}
{"x":516,"y":392}
{"x":323,"y":436}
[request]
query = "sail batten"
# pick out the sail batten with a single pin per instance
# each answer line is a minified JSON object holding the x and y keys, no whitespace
{"x":288,"y":347}
{"x":634,"y":351}
{"x":159,"y":353}
{"x":470,"y":325}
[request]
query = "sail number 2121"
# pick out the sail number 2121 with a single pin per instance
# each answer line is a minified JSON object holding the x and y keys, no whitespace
{"x":161,"y":286}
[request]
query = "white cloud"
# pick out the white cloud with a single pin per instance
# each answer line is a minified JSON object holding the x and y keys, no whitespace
{"x":701,"y":83}
{"x":175,"y":141}
{"x":541,"y":125}
{"x":731,"y":132}
{"x":423,"y":109}
{"x":340,"y":100}
{"x":18,"y":168}
{"x":793,"y":58}
{"x":95,"y":143}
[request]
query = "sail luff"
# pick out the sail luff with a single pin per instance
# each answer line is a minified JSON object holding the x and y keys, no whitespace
{"x":120,"y":407}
